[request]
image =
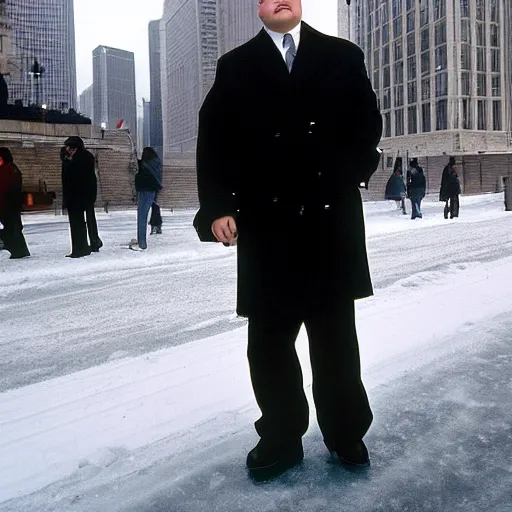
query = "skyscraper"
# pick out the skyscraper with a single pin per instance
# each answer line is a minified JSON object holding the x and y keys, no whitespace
{"x":86,"y":102}
{"x":114,"y":88}
{"x":438,"y":66}
{"x":146,"y":123}
{"x":195,"y":34}
{"x":43,"y":32}
{"x":156,"y":135}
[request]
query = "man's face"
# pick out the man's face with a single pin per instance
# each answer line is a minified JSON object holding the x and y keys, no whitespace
{"x":70,"y":151}
{"x":280,"y":15}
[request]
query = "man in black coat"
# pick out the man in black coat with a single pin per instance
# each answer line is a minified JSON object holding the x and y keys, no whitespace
{"x":79,"y":189}
{"x":287,"y":134}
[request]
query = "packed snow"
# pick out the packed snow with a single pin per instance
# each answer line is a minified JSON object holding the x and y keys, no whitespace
{"x":124,"y":384}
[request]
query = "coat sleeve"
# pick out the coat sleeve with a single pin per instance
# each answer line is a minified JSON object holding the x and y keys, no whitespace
{"x":368,"y":123}
{"x":215,"y":173}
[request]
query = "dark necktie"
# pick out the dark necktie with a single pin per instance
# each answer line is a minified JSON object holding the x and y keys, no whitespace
{"x":291,"y":50}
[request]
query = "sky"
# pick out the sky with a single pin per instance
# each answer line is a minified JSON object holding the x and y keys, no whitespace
{"x":124,"y":24}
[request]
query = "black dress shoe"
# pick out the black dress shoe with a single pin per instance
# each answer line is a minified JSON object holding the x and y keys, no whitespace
{"x":80,"y":254}
{"x":268,"y":460}
{"x":97,"y":246}
{"x":353,"y":454}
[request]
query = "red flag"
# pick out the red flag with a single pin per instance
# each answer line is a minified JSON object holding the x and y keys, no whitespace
{"x":120,"y":124}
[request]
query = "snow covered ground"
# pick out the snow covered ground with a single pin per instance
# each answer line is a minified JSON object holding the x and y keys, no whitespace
{"x":124,"y":384}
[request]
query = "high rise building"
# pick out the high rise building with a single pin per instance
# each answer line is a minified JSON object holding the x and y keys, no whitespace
{"x":43,"y":33}
{"x":5,"y":40}
{"x":86,"y":102}
{"x":439,"y":70}
{"x":156,"y":134}
{"x":345,"y":20}
{"x":195,"y":34}
{"x":146,"y":123}
{"x":114,"y":88}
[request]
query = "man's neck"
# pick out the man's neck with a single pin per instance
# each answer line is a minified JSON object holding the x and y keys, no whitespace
{"x":295,"y":28}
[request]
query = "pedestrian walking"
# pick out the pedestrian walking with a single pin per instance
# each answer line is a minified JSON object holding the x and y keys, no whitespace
{"x":155,"y":219}
{"x":79,"y":191}
{"x":287,"y":134}
{"x":450,"y":190}
{"x":11,"y":201}
{"x":148,"y":182}
{"x":395,"y":187}
{"x":416,"y":188}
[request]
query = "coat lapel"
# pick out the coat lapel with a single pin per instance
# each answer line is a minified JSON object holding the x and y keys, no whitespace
{"x":270,"y":59}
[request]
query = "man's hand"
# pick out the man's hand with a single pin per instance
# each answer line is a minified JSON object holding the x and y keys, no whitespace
{"x":225,"y":230}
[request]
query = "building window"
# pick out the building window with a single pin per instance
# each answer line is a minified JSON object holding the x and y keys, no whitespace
{"x":439,"y":9}
{"x":386,"y":99}
{"x":441,"y":84}
{"x":412,"y":92}
{"x":397,"y":27}
{"x":397,"y":7}
{"x":482,"y":115}
{"x":387,"y":124}
{"x":442,"y":115}
{"x":480,"y":34}
{"x":377,"y":18}
{"x":399,"y":122}
{"x":480,"y":59}
{"x":399,"y":72}
{"x":441,"y":58}
{"x":440,"y":33}
{"x":495,"y":36}
{"x":376,"y":80}
{"x":376,"y":37}
{"x":496,"y":116}
{"x":425,"y":63}
{"x":385,"y":33}
{"x":496,"y":85}
{"x":464,"y":8}
{"x":465,"y":31}
{"x":412,"y":120}
{"x":386,"y":77}
{"x":410,"y":4}
{"x":495,"y":61}
{"x":411,"y":45}
{"x":481,"y":84}
{"x":465,"y":56}
{"x":376,"y":59}
{"x":426,"y":123}
{"x":465,"y":83}
{"x":495,"y":10}
{"x":425,"y":39}
{"x":424,"y":14}
{"x":385,"y":55}
{"x":385,"y":12}
{"x":480,"y":10}
{"x":398,"y":49}
{"x":399,"y":96}
{"x":411,"y":68}
{"x":466,"y":114}
{"x":425,"y":89}
{"x":411,"y":21}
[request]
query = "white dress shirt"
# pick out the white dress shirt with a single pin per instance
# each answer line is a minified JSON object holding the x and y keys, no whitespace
{"x":278,"y":38}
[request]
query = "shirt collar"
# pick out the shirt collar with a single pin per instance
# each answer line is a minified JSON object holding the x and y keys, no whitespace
{"x":277,"y":37}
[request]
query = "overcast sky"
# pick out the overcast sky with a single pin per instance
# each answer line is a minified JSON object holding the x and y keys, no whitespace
{"x":124,"y":24}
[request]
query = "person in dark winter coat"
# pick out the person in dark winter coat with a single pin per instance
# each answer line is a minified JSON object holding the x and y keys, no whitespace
{"x":287,"y":134}
{"x":416,"y":188}
{"x":450,"y":190}
{"x":10,"y":206}
{"x":79,"y":190}
{"x":395,"y":188}
{"x":155,"y":219}
{"x":148,"y":182}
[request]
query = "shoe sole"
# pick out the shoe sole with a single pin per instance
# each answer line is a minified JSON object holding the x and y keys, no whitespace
{"x":351,"y":464}
{"x":272,"y":471}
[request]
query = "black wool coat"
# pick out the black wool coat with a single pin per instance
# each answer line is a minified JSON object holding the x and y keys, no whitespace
{"x":79,"y":182}
{"x":285,"y":154}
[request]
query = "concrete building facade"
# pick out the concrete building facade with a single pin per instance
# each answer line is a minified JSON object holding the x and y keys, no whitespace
{"x":156,"y":135}
{"x":114,"y":88}
{"x":86,"y":102}
{"x":43,"y":31}
{"x":195,"y":33}
{"x":146,"y":123}
{"x":439,"y":69}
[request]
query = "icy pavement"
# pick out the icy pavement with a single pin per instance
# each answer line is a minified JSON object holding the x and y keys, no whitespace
{"x":168,"y":429}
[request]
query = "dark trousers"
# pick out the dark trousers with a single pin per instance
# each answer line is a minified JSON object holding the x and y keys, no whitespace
{"x":342,"y":406}
{"x":452,"y":207}
{"x":12,"y":234}
{"x":78,"y":230}
{"x":416,"y":199}
{"x":92,"y":228}
{"x":155,"y":219}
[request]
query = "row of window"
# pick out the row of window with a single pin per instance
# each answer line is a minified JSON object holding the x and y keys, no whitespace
{"x":441,"y":117}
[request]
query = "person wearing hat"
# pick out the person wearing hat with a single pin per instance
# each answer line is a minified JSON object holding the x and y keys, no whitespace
{"x":287,"y":135}
{"x":10,"y":206}
{"x":416,"y":188}
{"x":79,"y":190}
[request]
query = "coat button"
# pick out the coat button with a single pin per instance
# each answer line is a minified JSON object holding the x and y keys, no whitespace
{"x":319,"y":173}
{"x":327,"y":207}
{"x":275,"y":199}
{"x":277,"y":135}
